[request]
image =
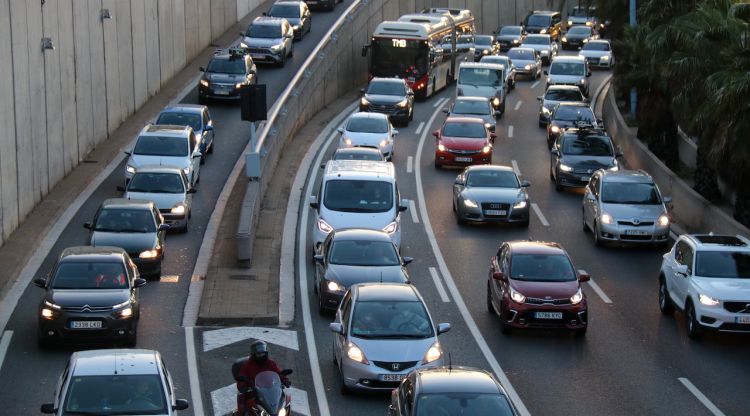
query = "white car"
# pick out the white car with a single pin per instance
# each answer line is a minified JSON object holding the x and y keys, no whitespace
{"x":708,"y":277}
{"x":598,"y":53}
{"x":170,"y":191}
{"x":367,"y":129}
{"x":174,"y":146}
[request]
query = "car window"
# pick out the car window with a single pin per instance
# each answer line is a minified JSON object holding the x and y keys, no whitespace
{"x":474,"y":107}
{"x":391,"y":319}
{"x":630,"y":193}
{"x":684,"y":255}
{"x":563,"y":95}
{"x":180,"y":119}
{"x":162,"y":183}
{"x":120,"y":220}
{"x":264,"y":31}
{"x":285,"y":10}
{"x":538,"y":20}
{"x":475,"y":404}
{"x":346,"y":307}
{"x":723,"y":264}
{"x":464,"y":129}
{"x":480,"y":77}
{"x":226,"y":66}
{"x":574,"y":113}
{"x":567,"y":68}
{"x":492,"y":179}
{"x":536,"y":40}
{"x":367,"y":125}
{"x":115,"y":394}
{"x":542,"y":268}
{"x":161,"y":146}
{"x":587,"y":146}
{"x":521,"y":54}
{"x":579,"y":30}
{"x":510,"y":30}
{"x":483,"y":40}
{"x":596,"y":46}
{"x":358,"y":195}
{"x":341,"y":154}
{"x":364,"y":253}
{"x":386,"y":88}
{"x":90,"y":275}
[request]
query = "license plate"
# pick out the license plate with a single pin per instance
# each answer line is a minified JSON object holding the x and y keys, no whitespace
{"x":636,"y":232}
{"x":257,"y":56}
{"x":548,"y":315}
{"x":495,"y":212}
{"x":86,"y":324}
{"x":221,"y":92}
{"x":392,"y":377}
{"x":463,"y":159}
{"x":742,"y":320}
{"x":585,"y":178}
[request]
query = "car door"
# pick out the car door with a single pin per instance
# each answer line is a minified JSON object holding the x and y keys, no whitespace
{"x":458,"y":186}
{"x":683,"y":255}
{"x":342,"y":317}
{"x":160,"y":234}
{"x":208,"y":133}
{"x":591,"y":200}
{"x":195,"y":158}
{"x":188,"y":195}
{"x":496,"y":289}
{"x":321,"y":266}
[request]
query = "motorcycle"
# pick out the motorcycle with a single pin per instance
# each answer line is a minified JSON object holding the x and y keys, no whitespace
{"x":268,"y":392}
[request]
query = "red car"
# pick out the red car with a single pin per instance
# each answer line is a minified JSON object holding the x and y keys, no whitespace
{"x":533,"y":284}
{"x":463,"y":141}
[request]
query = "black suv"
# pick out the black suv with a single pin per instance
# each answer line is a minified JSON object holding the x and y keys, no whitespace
{"x":91,"y":294}
{"x":578,"y":153}
{"x":228,"y":72}
{"x":543,"y":22}
{"x":391,"y":96}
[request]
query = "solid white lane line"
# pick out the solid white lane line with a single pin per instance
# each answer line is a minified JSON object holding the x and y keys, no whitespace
{"x":413,"y":210}
{"x":515,"y":167}
{"x":409,"y":164}
{"x":4,"y":344}
{"x":192,"y":362}
{"x":599,"y":291}
{"x":439,"y":102}
{"x":451,"y":284}
{"x":419,"y":127}
{"x":510,"y":131}
{"x":534,"y":84}
{"x":539,"y":214}
{"x":518,"y":105}
{"x":439,"y":285}
{"x":701,"y":397}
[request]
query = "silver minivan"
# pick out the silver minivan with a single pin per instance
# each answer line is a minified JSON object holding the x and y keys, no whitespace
{"x":357,"y":194}
{"x":569,"y":70}
{"x":168,"y":188}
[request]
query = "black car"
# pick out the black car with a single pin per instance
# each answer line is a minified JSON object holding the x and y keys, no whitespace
{"x":509,"y":36}
{"x":577,"y":36}
{"x":135,"y":226}
{"x":228,"y":72}
{"x":91,"y":294}
{"x":578,"y":153}
{"x":354,"y":256}
{"x":455,"y":390}
{"x":391,"y":96}
{"x":568,"y":114}
{"x":544,"y":23}
{"x":296,"y":13}
{"x":484,"y":45}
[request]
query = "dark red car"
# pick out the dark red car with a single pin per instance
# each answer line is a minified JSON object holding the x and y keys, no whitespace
{"x":463,"y":141}
{"x":533,"y":284}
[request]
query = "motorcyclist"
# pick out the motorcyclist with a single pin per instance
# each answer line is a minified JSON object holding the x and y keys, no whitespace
{"x":257,"y":363}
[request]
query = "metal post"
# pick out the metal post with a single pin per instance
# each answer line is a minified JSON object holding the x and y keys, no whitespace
{"x":633,"y":92}
{"x":252,"y":158}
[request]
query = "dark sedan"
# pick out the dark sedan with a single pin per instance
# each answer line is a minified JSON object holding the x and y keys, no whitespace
{"x":566,"y":115}
{"x":578,"y":153}
{"x":490,"y":194}
{"x":227,"y":74}
{"x":91,"y":294}
{"x":577,"y":36}
{"x":479,"y":107}
{"x":390,"y":96}
{"x":484,"y":45}
{"x":555,"y":95}
{"x":509,"y":36}
{"x":352,"y":256}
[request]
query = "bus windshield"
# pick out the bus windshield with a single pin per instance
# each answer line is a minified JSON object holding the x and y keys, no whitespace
{"x":398,"y":57}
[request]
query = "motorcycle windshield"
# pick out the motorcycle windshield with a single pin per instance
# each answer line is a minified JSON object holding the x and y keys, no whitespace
{"x":268,"y":391}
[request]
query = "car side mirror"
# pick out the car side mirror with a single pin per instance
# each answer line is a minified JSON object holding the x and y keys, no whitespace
{"x":404,"y":205}
{"x":618,"y":153}
{"x":163,"y":227}
{"x":121,"y":188}
{"x":340,"y":130}
{"x":443,"y":328}
{"x":128,"y":152}
{"x":202,"y":69}
{"x":406,"y":260}
{"x":493,"y":136}
{"x":540,"y":98}
{"x":555,"y":152}
{"x":192,"y":190}
{"x":395,"y":132}
{"x":436,"y":133}
{"x":682,"y":269}
{"x":48,"y":408}
{"x":87,"y":225}
{"x":139,"y":282}
{"x":336,"y":327}
{"x":285,"y":372}
{"x":318,"y":258}
{"x":323,"y":165}
{"x":314,"y":202}
{"x":458,"y":181}
{"x":40,"y":282}
{"x":667,"y":200}
{"x":498,"y":276}
{"x":497,"y":114}
{"x":208,"y":127}
{"x":588,"y":74}
{"x":445,"y":111}
{"x":264,"y":14}
{"x":525,"y":184}
{"x":180,"y":404}
{"x":583,"y":276}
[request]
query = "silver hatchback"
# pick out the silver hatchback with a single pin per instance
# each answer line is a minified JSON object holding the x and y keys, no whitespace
{"x":381,"y":333}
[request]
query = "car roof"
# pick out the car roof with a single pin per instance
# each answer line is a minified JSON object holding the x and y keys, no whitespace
{"x":115,"y":362}
{"x":288,"y":3}
{"x":457,"y":119}
{"x":574,"y":104}
{"x":628,"y":176}
{"x":268,"y":20}
{"x":390,"y":80}
{"x":165,"y":130}
{"x":360,"y":234}
{"x":157,"y":169}
{"x":360,"y":169}
{"x":456,"y":379}
{"x":489,"y":167}
{"x":569,"y":58}
{"x":368,"y":114}
{"x":127,"y":203}
{"x":535,"y":247}
{"x":719,"y":242}
{"x":184,"y":108}
{"x":385,"y":291}
{"x":538,"y":35}
{"x":90,"y":253}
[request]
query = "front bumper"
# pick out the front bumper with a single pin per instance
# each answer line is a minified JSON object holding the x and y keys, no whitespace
{"x":718,"y":318}
{"x":449,"y":158}
{"x":112,"y":329}
{"x":644,"y":234}
{"x":524,"y":315}
{"x":176,"y":221}
{"x":266,"y":55}
{"x":147,"y":266}
{"x":484,"y":213}
{"x":369,"y":377}
{"x":599,"y":62}
{"x":572,"y":179}
{"x":219,"y":91}
{"x":329,"y":300}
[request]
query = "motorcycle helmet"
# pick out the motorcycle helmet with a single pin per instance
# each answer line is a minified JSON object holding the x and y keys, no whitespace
{"x":259,"y":351}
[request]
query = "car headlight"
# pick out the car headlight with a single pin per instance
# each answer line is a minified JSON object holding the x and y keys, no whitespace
{"x":363,"y":101}
{"x":516,"y":41}
{"x":543,"y":31}
{"x":402,"y":103}
{"x":496,"y":101}
{"x":606,"y":218}
{"x":277,"y":48}
{"x":282,"y":411}
{"x":204,"y":82}
{"x":585,"y":40}
{"x":486,"y":149}
{"x":564,"y":39}
{"x":441,"y":147}
{"x":469,"y":203}
{"x":519,"y":205}
{"x":570,"y":23}
{"x":485,"y":52}
{"x":47,"y":313}
{"x":546,"y":111}
{"x":296,"y":27}
{"x":356,"y":354}
{"x":555,"y":129}
{"x":589,"y":23}
{"x":577,"y":298}
{"x":487,"y":126}
{"x":614,"y":168}
{"x":243,"y":45}
{"x":527,"y":67}
{"x":130,"y":169}
{"x":708,"y":300}
{"x":186,"y":170}
{"x":391,"y":228}
{"x":663,"y":220}
{"x":335,"y":287}
{"x":601,"y":25}
{"x":324,"y":226}
{"x":348,"y":141}
{"x":178,"y":209}
{"x":383,"y":143}
{"x":582,"y":81}
{"x":565,"y":168}
{"x":124,"y":313}
{"x":432,"y":354}
{"x":545,"y":52}
{"x":517,"y":296}
{"x":604,"y":58}
{"x":239,"y":85}
{"x":149,"y":254}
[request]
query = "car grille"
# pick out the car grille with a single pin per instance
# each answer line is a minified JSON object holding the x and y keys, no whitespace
{"x":540,"y":301}
{"x":632,"y":224}
{"x":217,"y":86}
{"x":382,"y":108}
{"x":585,"y":171}
{"x":737,"y":307}
{"x":495,"y":206}
{"x":86,"y":308}
{"x":388,"y":365}
{"x":463,"y":152}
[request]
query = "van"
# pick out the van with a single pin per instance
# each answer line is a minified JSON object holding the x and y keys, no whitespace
{"x":543,"y":22}
{"x":476,"y":79}
{"x":357,"y":194}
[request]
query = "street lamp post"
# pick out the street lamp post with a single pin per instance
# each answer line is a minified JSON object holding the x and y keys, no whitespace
{"x":633,"y":93}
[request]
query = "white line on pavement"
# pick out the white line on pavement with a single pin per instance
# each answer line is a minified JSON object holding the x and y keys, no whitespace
{"x":701,"y":397}
{"x":409,"y":164}
{"x":192,"y":362}
{"x":510,"y":131}
{"x":515,"y":167}
{"x":439,"y":102}
{"x":518,"y":105}
{"x":413,"y":210}
{"x":419,"y":127}
{"x":539,"y":214}
{"x":4,"y":344}
{"x":439,"y":285}
{"x":599,"y":291}
{"x":451,"y":284}
{"x":534,"y":84}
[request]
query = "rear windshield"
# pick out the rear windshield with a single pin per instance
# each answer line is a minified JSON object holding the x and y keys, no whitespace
{"x":460,"y":129}
{"x":588,"y":146}
{"x":164,"y":183}
{"x":574,"y":113}
{"x":227,"y":66}
{"x":483,"y":40}
{"x":630,"y":193}
{"x":358,"y":195}
{"x":115,"y":395}
{"x":492,"y":179}
{"x":364,"y":253}
{"x":481,"y":77}
{"x":180,"y":119}
{"x":90,"y":275}
{"x":471,"y":107}
{"x":284,"y":10}
{"x":542,"y":268}
{"x":723,"y":264}
{"x":386,"y":88}
{"x":264,"y":31}
{"x":521,"y":54}
{"x":161,"y":146}
{"x":596,"y":46}
{"x":122,"y":220}
{"x":564,"y":95}
{"x":367,"y":125}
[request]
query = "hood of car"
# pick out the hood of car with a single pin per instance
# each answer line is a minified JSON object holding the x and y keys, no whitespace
{"x":261,"y":42}
{"x":130,"y":242}
{"x":364,"y":139}
{"x":384,"y":99}
{"x":350,"y":275}
{"x":725,"y":289}
{"x":394,"y":350}
{"x":463,"y":143}
{"x":564,"y":79}
{"x":224,"y":78}
{"x":555,"y":290}
{"x":91,"y":297}
{"x":587,"y":162}
{"x":162,"y":200}
{"x":370,"y":220}
{"x":509,"y":195}
{"x":593,"y":54}
{"x":488,"y":119}
{"x":633,"y":211}
{"x":480,"y":91}
{"x":180,"y":162}
{"x":577,"y":37}
{"x":294,"y":21}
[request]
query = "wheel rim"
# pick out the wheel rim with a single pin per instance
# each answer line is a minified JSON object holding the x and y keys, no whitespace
{"x":690,"y":319}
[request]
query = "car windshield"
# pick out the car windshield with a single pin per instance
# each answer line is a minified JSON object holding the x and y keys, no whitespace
{"x":538,"y":20}
{"x":521,"y":54}
{"x":574,"y":113}
{"x":579,"y":31}
{"x":630,"y":193}
{"x":588,"y":146}
{"x":367,"y":125}
{"x":345,"y":154}
{"x":491,"y":179}
{"x":596,"y":46}
{"x":115,"y":395}
{"x":510,"y":30}
{"x":363,"y":253}
{"x":723,"y":264}
{"x":358,"y":195}
{"x":463,"y":129}
{"x":465,"y":39}
{"x":391,"y":319}
{"x":567,"y":68}
{"x":159,"y":183}
{"x":476,"y":107}
{"x":284,"y":10}
{"x":563,"y":95}
{"x":480,"y":77}
{"x":180,"y":119}
{"x":121,"y":220}
{"x":90,"y":275}
{"x":386,"y":88}
{"x":483,"y":40}
{"x":227,"y":66}
{"x":542,"y":268}
{"x":161,"y":146}
{"x":494,"y":59}
{"x":536,"y":40}
{"x":475,"y":404}
{"x":264,"y":31}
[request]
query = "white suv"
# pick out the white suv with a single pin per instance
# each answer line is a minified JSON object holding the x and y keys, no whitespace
{"x":708,"y":277}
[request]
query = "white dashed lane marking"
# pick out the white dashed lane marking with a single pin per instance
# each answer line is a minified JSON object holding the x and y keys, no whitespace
{"x":413,"y":211}
{"x":599,"y":291}
{"x":510,"y":131}
{"x":419,"y":127}
{"x":534,"y":84}
{"x":518,"y":105}
{"x":515,"y":167}
{"x":701,"y":397}
{"x":409,"y":164}
{"x":539,"y":214}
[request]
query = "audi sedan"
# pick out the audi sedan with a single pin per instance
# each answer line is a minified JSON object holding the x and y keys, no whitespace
{"x":490,"y":194}
{"x":463,"y":141}
{"x":533,"y":284}
{"x":577,"y":36}
{"x":369,"y":130}
{"x":598,"y":53}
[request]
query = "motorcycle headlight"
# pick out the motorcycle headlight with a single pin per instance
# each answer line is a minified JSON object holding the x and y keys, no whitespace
{"x":708,"y":300}
{"x":356,"y":354}
{"x":130,"y":169}
{"x":606,"y":218}
{"x":519,"y":205}
{"x":391,"y":228}
{"x":335,"y":287}
{"x":363,"y":101}
{"x":403,"y":103}
{"x":565,"y":168}
{"x":555,"y":129}
{"x":324,"y":226}
{"x":469,"y":203}
{"x":149,"y":254}
{"x":663,"y":220}
{"x":432,"y":354}
{"x":204,"y":82}
{"x":517,"y":296}
{"x":577,"y":298}
{"x":178,"y":209}
{"x":441,"y":147}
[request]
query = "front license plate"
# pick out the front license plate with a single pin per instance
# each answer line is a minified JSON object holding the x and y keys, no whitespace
{"x":742,"y":320}
{"x":463,"y":159}
{"x":636,"y":232}
{"x":221,"y":92}
{"x":86,"y":324}
{"x":548,"y":315}
{"x":392,"y":377}
{"x":585,"y":178}
{"x":495,"y":212}
{"x":257,"y":56}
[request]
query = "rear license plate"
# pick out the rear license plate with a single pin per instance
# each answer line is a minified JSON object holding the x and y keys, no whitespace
{"x":636,"y":232}
{"x":86,"y":324}
{"x":548,"y":315}
{"x":257,"y":56}
{"x":463,"y":159}
{"x":221,"y":92}
{"x":495,"y":212}
{"x":742,"y":320}
{"x":392,"y":377}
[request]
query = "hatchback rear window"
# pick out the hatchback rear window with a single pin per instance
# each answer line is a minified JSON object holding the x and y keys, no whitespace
{"x":358,"y":195}
{"x":165,"y":183}
{"x":367,"y":125}
{"x":180,"y":119}
{"x":542,"y":268}
{"x":264,"y":31}
{"x":115,"y":395}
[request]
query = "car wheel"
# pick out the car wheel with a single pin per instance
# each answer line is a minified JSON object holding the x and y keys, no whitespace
{"x":551,"y":175}
{"x":580,"y":333}
{"x":437,"y":165}
{"x":291,"y":50}
{"x":210,"y":148}
{"x":583,"y":221}
{"x":525,"y":223}
{"x":693,"y":327}
{"x":459,"y":220}
{"x":321,"y":310}
{"x":505,"y":327}
{"x":665,"y":302}
{"x":542,"y":124}
{"x":597,"y":238}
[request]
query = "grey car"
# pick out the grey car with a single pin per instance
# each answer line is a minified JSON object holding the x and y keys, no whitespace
{"x":269,"y":40}
{"x":578,"y":153}
{"x":390,"y":96}
{"x":509,"y":36}
{"x":382,"y":332}
{"x":527,"y":62}
{"x":169,"y":189}
{"x":508,"y":67}
{"x":625,"y":207}
{"x":484,"y":45}
{"x":352,"y":256}
{"x":197,"y":117}
{"x":543,"y":44}
{"x":296,"y":13}
{"x":569,"y":70}
{"x":490,"y":193}
{"x":479,"y":107}
{"x":358,"y":153}
{"x":555,"y":95}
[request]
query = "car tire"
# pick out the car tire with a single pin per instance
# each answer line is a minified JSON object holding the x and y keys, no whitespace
{"x":459,"y":220}
{"x":597,"y":238}
{"x":291,"y":51}
{"x":321,"y":309}
{"x":437,"y":165}
{"x":558,"y":186}
{"x":693,"y":326}
{"x":210,"y":148}
{"x":542,"y":124}
{"x":584,"y":226}
{"x":665,"y":302}
{"x":505,"y":328}
{"x":184,"y":229}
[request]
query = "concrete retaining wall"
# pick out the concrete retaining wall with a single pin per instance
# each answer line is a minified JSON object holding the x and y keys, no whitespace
{"x":57,"y":105}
